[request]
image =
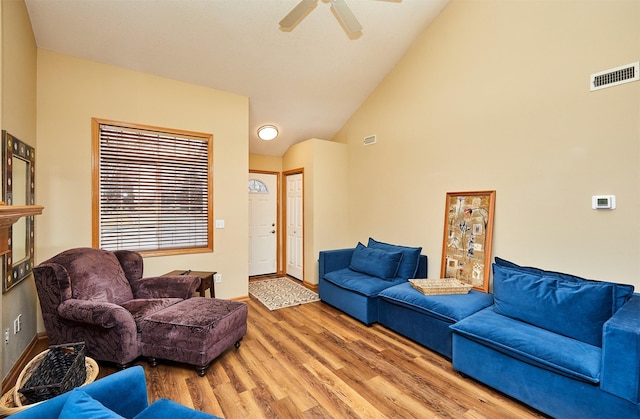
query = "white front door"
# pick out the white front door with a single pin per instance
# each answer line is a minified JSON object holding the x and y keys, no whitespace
{"x":294,"y":225}
{"x":262,"y":223}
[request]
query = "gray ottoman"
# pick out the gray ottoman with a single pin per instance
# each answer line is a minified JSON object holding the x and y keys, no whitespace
{"x":194,"y":331}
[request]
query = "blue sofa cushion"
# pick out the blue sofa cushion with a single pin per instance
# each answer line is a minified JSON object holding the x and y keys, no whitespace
{"x":623,"y":292}
{"x":364,"y":284}
{"x":576,"y":310}
{"x":533,"y":345}
{"x":449,"y":308}
{"x":409,"y":263}
{"x":375,"y":262}
{"x":80,"y":405}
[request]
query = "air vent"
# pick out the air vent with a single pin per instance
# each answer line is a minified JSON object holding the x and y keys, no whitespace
{"x":614,"y":76}
{"x":369,"y":140}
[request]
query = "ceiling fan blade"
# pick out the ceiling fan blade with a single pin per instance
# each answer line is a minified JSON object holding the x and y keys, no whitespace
{"x":297,"y":13}
{"x":346,"y":16}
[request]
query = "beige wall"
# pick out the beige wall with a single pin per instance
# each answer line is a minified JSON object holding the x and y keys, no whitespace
{"x":495,"y":95}
{"x":265,"y":163}
{"x":325,"y":197}
{"x":330,"y":201}
{"x":71,"y":91}
{"x":2,"y":322}
{"x":18,"y":117}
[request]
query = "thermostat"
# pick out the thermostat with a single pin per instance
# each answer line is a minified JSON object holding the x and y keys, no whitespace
{"x":603,"y":202}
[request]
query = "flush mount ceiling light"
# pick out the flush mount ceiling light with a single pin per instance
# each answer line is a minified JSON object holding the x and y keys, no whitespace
{"x":267,"y":132}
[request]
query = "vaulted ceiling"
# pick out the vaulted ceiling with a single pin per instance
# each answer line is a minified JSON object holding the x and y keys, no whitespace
{"x":307,"y":81}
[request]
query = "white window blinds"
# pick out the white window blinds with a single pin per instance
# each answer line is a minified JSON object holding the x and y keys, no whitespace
{"x":154,"y":190}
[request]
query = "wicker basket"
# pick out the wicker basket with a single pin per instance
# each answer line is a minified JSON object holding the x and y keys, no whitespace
{"x":13,"y":402}
{"x":440,"y":286}
{"x":60,"y":370}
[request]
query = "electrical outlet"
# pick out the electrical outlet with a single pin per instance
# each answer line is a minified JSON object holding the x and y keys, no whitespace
{"x":218,"y":278}
{"x":6,"y":335}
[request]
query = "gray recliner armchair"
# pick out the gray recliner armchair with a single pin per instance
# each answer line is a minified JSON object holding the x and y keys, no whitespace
{"x":100,"y":297}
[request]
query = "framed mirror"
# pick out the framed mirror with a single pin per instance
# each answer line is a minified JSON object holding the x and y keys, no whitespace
{"x":18,"y":188}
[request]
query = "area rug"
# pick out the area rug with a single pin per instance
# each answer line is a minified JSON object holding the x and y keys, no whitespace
{"x":280,"y":293}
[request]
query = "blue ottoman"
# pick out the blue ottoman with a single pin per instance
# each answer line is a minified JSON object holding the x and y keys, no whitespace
{"x":426,"y":318}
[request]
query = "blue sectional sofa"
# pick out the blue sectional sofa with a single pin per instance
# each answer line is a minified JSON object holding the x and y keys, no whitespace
{"x":426,"y":318}
{"x":567,"y":346}
{"x":123,"y":394}
{"x":356,"y":284}
{"x":351,"y":279}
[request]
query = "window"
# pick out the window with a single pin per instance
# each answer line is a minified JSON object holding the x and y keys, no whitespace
{"x":257,"y":186}
{"x":152,"y":189}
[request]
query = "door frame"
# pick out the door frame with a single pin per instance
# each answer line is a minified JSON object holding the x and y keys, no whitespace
{"x":279,"y":218}
{"x":298,"y":171}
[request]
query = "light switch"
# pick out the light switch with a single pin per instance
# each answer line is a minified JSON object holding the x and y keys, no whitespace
{"x":219,"y":223}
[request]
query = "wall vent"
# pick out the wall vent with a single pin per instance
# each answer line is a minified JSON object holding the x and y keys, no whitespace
{"x":369,"y":140}
{"x":615,"y":76}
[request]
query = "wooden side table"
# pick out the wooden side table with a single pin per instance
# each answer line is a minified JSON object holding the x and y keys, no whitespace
{"x":206,"y":280}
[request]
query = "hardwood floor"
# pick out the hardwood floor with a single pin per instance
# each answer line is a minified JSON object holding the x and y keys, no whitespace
{"x":313,"y":361}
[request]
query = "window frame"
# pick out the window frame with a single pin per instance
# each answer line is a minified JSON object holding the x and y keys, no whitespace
{"x":95,"y":133}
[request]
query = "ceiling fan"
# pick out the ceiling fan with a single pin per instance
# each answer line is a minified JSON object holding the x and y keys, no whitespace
{"x":339,"y":7}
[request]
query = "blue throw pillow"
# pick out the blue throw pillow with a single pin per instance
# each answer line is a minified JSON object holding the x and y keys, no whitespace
{"x":623,"y":292}
{"x":410,"y":257}
{"x":574,"y":309}
{"x":375,"y":262}
{"x":80,"y":405}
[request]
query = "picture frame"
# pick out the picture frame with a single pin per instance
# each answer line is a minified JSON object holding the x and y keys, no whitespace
{"x":468,"y":231}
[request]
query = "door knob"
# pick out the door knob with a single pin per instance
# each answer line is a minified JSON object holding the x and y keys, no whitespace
{"x":273,"y":231}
